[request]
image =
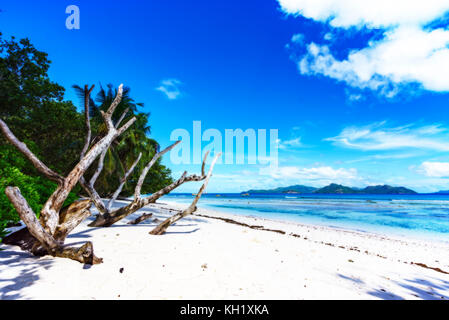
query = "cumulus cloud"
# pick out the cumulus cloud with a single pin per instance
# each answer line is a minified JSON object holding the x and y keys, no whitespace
{"x":410,"y":52}
{"x":170,"y":87}
{"x":435,"y":169}
{"x":379,"y":137}
{"x":374,"y":14}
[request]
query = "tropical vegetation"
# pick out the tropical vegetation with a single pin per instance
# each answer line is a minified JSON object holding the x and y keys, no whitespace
{"x":34,"y":108}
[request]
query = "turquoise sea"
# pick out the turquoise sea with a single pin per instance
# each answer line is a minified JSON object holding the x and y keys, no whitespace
{"x":406,"y":215}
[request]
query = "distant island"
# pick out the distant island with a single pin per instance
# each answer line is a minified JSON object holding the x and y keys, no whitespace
{"x":442,"y":192}
{"x":334,"y":188}
{"x":291,"y":189}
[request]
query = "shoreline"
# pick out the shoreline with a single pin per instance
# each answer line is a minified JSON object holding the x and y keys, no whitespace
{"x":216,"y":255}
{"x":412,"y":231}
{"x":288,"y":228}
{"x":418,"y":236}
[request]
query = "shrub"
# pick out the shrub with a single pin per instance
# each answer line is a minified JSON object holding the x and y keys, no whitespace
{"x":34,"y":188}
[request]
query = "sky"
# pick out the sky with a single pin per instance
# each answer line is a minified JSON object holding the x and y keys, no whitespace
{"x":358,"y":90}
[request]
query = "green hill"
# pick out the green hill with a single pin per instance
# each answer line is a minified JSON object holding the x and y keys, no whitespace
{"x":334,"y":188}
{"x":290,"y":189}
{"x":385,"y":189}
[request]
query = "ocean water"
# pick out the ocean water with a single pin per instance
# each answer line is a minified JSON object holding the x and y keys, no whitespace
{"x":404,"y":215}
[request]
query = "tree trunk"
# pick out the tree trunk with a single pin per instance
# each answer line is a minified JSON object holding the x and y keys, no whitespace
{"x":47,"y":235}
{"x":46,"y":243}
{"x":21,"y":238}
{"x":69,"y":218}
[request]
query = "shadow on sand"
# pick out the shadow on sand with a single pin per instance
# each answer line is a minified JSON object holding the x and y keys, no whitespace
{"x":192,"y":221}
{"x":437,"y":289}
{"x":11,"y":257}
{"x":10,"y":287}
{"x":425,"y":289}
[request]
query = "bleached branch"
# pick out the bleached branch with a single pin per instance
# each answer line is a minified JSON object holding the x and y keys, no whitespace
{"x":161,"y":228}
{"x":122,"y":183}
{"x":147,"y":168}
{"x":22,"y":147}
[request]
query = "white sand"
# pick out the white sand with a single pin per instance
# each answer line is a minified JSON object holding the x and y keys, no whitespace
{"x":203,"y":258}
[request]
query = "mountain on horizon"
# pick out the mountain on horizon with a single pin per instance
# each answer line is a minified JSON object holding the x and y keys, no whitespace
{"x":290,"y":189}
{"x":334,"y":188}
{"x":442,"y":192}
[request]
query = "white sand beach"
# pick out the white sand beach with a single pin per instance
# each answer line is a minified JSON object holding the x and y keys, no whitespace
{"x":207,"y":258}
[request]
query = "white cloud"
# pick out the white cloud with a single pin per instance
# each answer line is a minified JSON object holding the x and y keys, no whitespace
{"x":298,"y":38}
{"x":315,"y":176}
{"x":293,"y":142}
{"x":289,"y":144}
{"x":435,"y":169}
{"x":353,"y":97}
{"x":379,"y":137}
{"x":408,"y":52}
{"x":374,"y":14}
{"x":328,"y":36}
{"x":170,"y":87}
{"x":381,"y":157}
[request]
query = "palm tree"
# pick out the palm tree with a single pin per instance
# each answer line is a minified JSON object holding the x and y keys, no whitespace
{"x":125,"y":150}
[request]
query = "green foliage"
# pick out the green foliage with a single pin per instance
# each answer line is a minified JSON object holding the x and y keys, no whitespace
{"x":33,"y":107}
{"x":125,"y":150}
{"x":24,"y":81}
{"x":34,"y":188}
{"x":29,"y":186}
{"x":31,"y":104}
{"x":56,"y":132}
{"x":158,"y":177}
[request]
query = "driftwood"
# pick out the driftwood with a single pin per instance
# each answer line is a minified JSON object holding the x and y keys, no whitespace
{"x":161,"y":228}
{"x":54,"y":225}
{"x":122,"y":183}
{"x":108,"y":218}
{"x":69,"y":218}
{"x":142,"y":218}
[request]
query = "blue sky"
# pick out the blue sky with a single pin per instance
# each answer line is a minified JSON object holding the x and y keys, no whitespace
{"x":358,"y":93}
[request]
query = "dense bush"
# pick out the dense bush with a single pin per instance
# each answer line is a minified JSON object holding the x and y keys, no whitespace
{"x":34,"y":108}
{"x":34,"y":188}
{"x":2,"y":230}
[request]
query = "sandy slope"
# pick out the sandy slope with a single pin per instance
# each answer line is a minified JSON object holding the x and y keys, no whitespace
{"x":205,"y":258}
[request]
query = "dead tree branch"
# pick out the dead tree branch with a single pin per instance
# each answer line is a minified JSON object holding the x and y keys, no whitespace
{"x":147,"y":168}
{"x":142,"y":218}
{"x":22,"y":147}
{"x":122,"y":183}
{"x":52,"y":228}
{"x":108,"y":219}
{"x":87,"y":93}
{"x":161,"y":228}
